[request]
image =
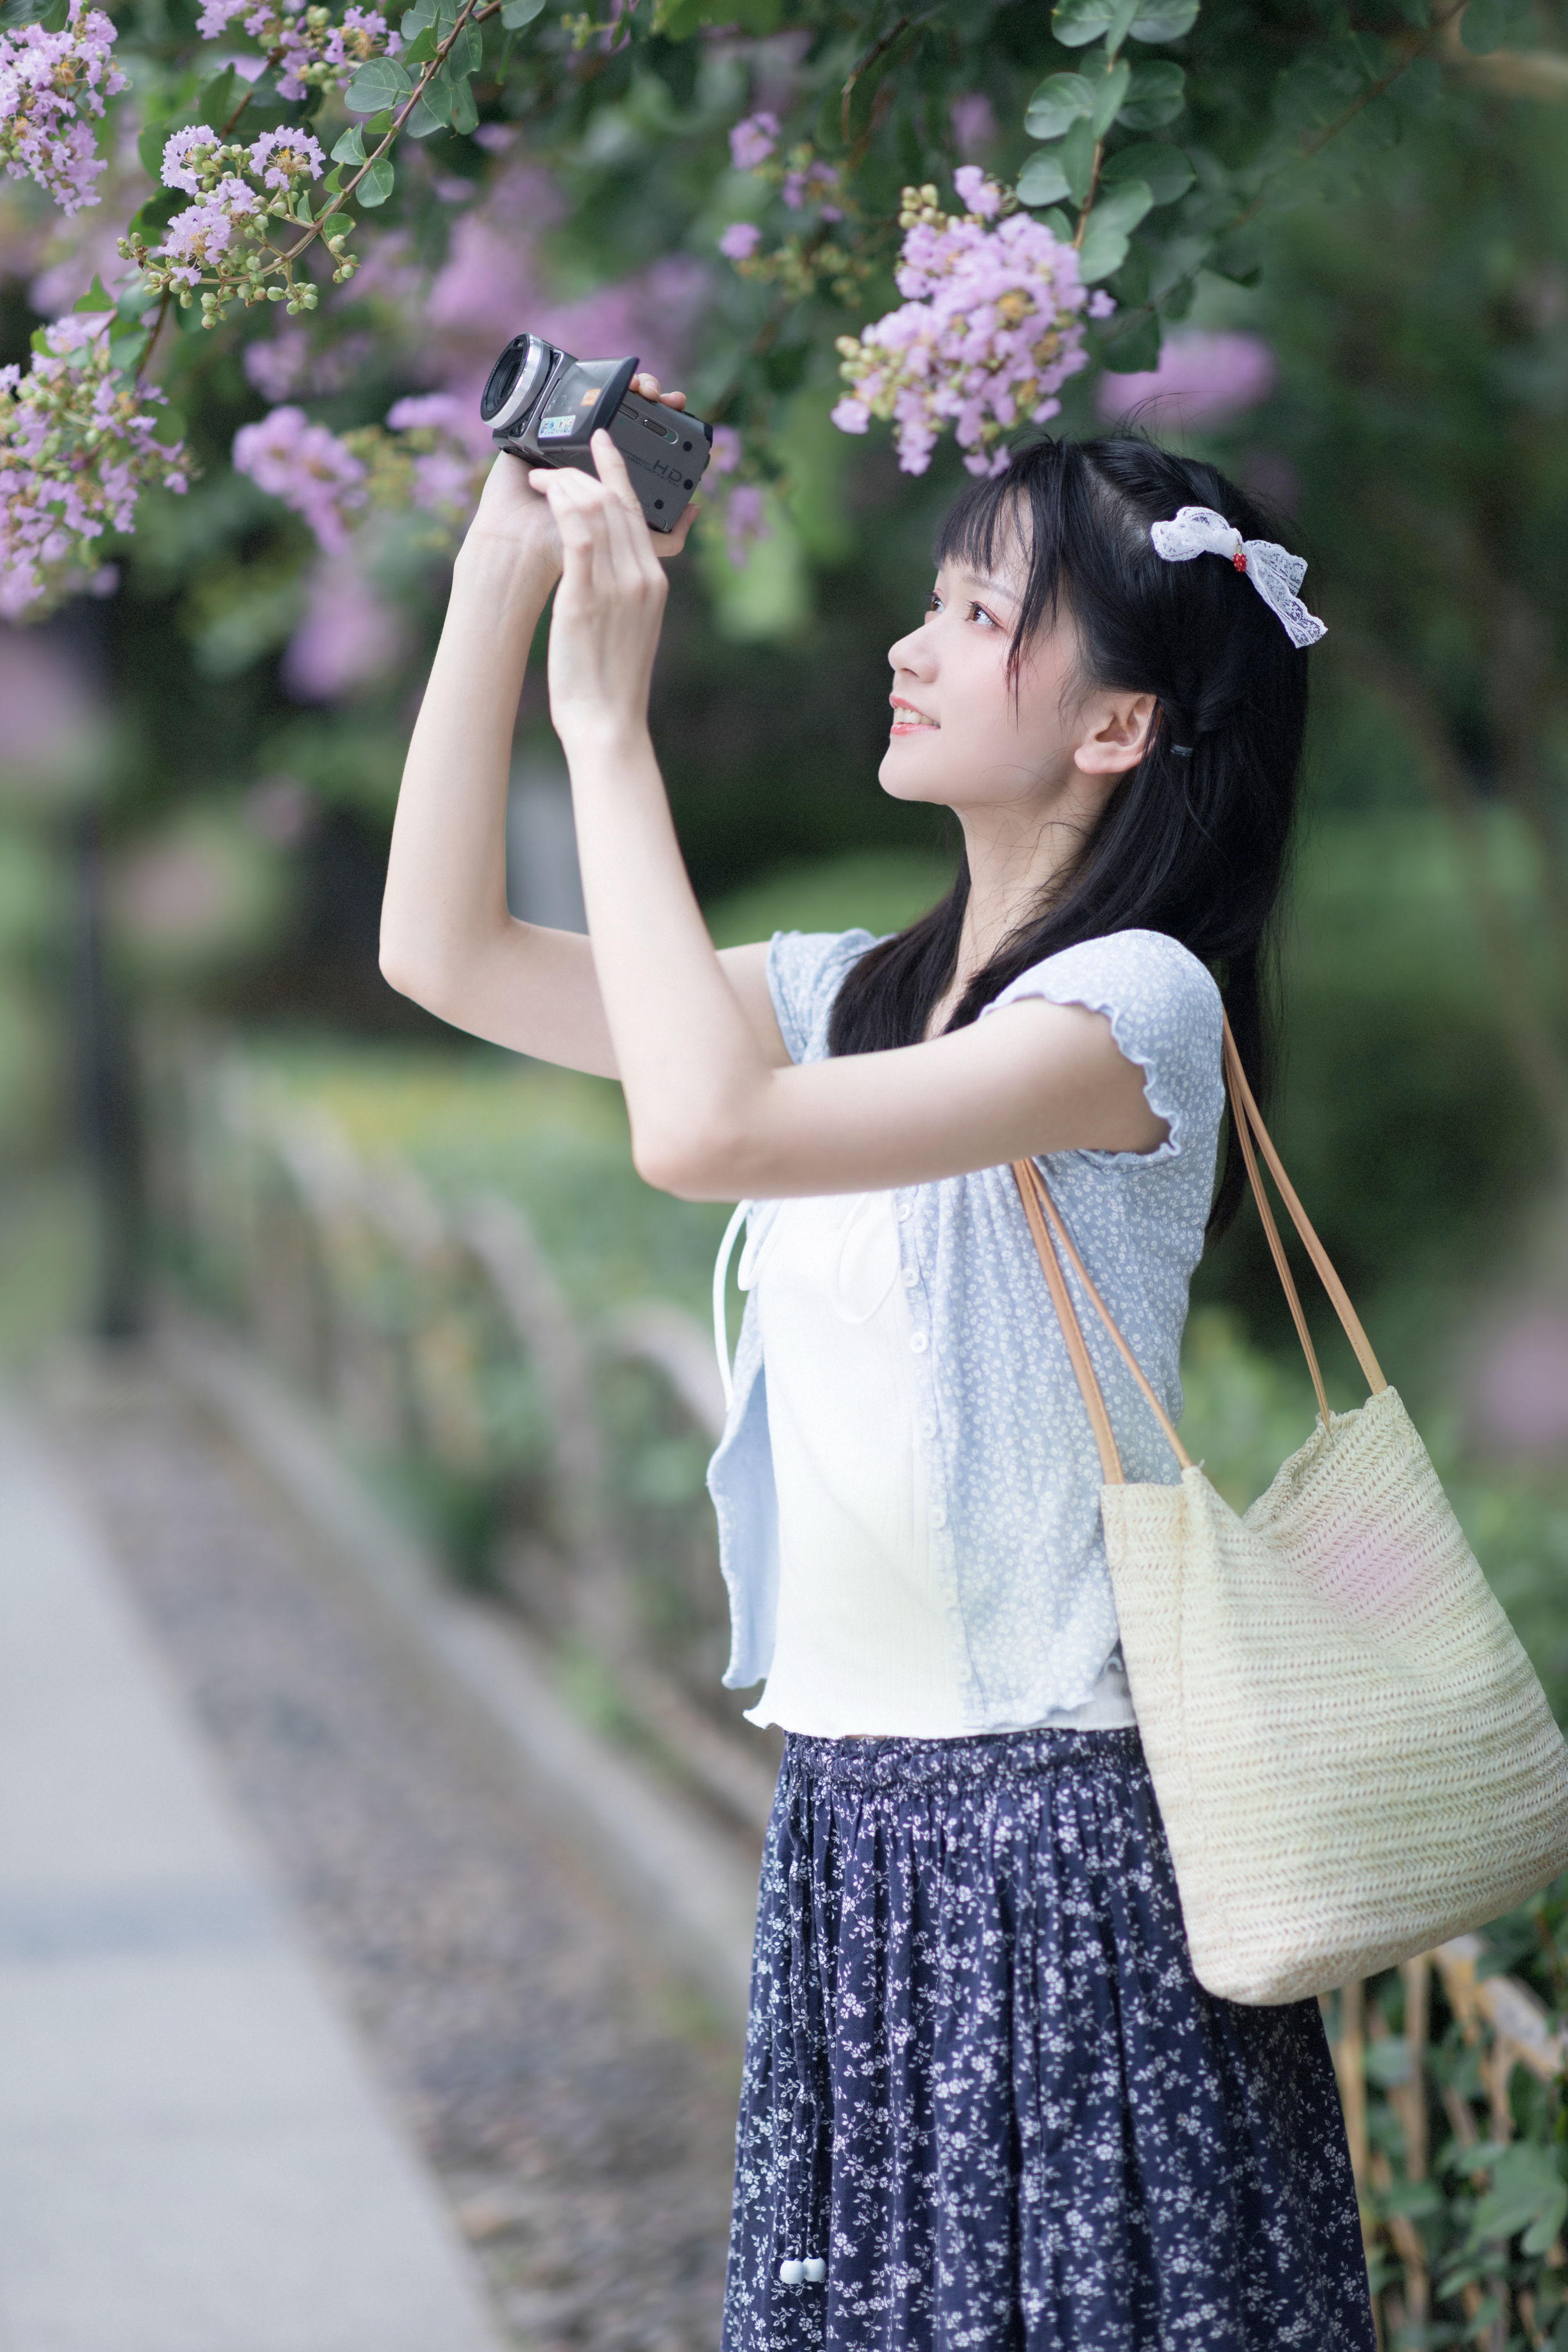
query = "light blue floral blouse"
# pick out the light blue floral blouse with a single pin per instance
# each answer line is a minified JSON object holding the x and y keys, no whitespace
{"x":1011,"y":1466}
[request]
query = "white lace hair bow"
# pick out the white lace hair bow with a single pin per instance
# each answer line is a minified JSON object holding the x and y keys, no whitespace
{"x":1273,"y":570}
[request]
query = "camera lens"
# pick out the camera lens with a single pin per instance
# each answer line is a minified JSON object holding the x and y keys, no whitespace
{"x":515,"y":379}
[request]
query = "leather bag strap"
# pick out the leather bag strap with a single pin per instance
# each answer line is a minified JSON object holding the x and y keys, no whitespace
{"x":1051,"y":1237}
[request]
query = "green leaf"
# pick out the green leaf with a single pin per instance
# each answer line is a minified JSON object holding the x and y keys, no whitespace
{"x":1420,"y":85}
{"x":414,"y":20}
{"x":1387,"y":2060}
{"x":1156,"y":95}
{"x":1136,"y":350}
{"x":157,"y":213}
{"x":1528,"y":2193}
{"x":1134,"y":280}
{"x":1076,"y":23}
{"x":380,"y":82}
{"x":1042,"y":180}
{"x":465,"y":53}
{"x":516,"y":14}
{"x":422,"y":48}
{"x":1311,"y":96}
{"x":1165,"y":170}
{"x":334,"y":180}
{"x":126,"y":348}
{"x":377,"y":185}
{"x":350,"y":148}
{"x":1124,"y":206}
{"x":56,"y":18}
{"x":1108,"y":98}
{"x":215,"y":103}
{"x":1103,"y":250}
{"x":1058,"y":104}
{"x":422,"y":123}
{"x":1165,"y":20}
{"x":1076,"y":155}
{"x":1482,"y":27}
{"x":465,"y":114}
{"x":151,"y":141}
{"x":302,"y":204}
{"x":1239,"y":258}
{"x":95,"y":298}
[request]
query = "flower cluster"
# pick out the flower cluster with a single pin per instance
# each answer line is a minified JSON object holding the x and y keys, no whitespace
{"x":992,"y":328}
{"x":49,"y":84}
{"x":335,"y":480}
{"x":220,"y":242}
{"x":803,"y":182}
{"x":311,"y":46}
{"x":313,"y":471}
{"x":76,"y":449}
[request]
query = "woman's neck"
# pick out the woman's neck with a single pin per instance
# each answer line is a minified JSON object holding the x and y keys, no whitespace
{"x":1015,"y":858}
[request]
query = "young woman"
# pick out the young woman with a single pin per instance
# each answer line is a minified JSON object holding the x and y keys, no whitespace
{"x":986,"y":2103}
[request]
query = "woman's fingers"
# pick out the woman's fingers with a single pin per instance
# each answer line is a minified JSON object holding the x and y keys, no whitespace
{"x":667,"y":543}
{"x":649,"y":386}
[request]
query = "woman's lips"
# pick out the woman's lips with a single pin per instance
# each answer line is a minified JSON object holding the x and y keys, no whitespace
{"x":908,"y":720}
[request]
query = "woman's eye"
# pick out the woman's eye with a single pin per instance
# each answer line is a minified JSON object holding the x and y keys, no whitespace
{"x":933,"y":603}
{"x":979,"y":613}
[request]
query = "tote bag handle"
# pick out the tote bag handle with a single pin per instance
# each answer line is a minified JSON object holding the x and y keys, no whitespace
{"x":1053,"y":1242}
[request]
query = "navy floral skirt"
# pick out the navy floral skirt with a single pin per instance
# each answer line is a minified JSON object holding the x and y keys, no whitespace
{"x":987,"y":2105}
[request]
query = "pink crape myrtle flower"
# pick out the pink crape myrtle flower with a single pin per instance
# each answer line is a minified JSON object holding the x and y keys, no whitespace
{"x":308,"y":468}
{"x":726,"y":451}
{"x":190,"y":158}
{"x":745,"y":521}
{"x":991,"y":329}
{"x":363,"y":33}
{"x":195,"y":238}
{"x":753,"y":141}
{"x":1204,"y":378}
{"x":77,"y":449}
{"x":50,"y":83}
{"x":282,"y":157}
{"x":803,"y":187}
{"x":740,"y":240}
{"x":348,"y":637}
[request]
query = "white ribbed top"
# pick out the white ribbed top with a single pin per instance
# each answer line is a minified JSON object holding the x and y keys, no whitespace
{"x":865,"y":1642}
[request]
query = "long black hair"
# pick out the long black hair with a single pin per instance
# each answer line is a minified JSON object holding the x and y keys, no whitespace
{"x":1191,"y":843}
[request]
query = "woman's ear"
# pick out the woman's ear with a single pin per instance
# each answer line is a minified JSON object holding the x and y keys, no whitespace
{"x":1115,"y":733}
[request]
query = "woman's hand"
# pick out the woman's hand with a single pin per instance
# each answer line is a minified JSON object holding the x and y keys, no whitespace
{"x":603,"y":633}
{"x":514,"y":519}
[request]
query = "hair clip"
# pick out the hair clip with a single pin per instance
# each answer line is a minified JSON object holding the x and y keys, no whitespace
{"x":1273,"y":570}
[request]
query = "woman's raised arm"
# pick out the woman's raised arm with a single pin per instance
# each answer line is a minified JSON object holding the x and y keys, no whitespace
{"x":447,"y":939}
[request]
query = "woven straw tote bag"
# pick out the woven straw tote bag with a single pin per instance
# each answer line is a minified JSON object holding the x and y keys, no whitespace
{"x":1353,"y":1756}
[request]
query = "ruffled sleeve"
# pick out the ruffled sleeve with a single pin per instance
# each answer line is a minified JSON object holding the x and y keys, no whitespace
{"x":1164,"y":1014}
{"x":805,"y":969}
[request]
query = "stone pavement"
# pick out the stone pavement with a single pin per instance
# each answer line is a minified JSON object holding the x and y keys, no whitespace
{"x":193,"y":2156}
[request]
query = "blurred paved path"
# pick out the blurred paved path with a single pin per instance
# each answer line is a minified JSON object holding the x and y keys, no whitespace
{"x":192,"y":2156}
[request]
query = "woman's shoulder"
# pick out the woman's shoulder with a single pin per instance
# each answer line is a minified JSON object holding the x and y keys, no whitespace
{"x":1166,"y":1015}
{"x":1147,"y":972}
{"x":805,"y":971}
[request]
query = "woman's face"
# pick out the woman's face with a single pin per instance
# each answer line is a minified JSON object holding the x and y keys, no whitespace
{"x":961,"y":737}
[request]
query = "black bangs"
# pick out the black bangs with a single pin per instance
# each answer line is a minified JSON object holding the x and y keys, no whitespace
{"x":1194,"y":840}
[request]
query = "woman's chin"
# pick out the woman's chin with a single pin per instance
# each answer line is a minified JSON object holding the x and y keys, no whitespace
{"x":909,"y":773}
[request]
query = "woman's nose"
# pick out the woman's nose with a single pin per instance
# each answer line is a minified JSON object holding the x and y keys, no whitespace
{"x":913,"y":653}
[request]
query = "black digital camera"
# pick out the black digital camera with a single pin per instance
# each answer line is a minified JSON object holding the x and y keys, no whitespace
{"x":544,"y":407}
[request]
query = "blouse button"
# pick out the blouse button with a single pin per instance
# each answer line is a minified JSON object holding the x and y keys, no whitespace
{"x":814,"y":2270}
{"x":903,"y":1212}
{"x":791,"y":2272}
{"x":919,"y":1343}
{"x":912,"y":1276}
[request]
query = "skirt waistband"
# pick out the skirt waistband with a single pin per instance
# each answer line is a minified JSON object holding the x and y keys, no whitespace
{"x":994,"y":1758}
